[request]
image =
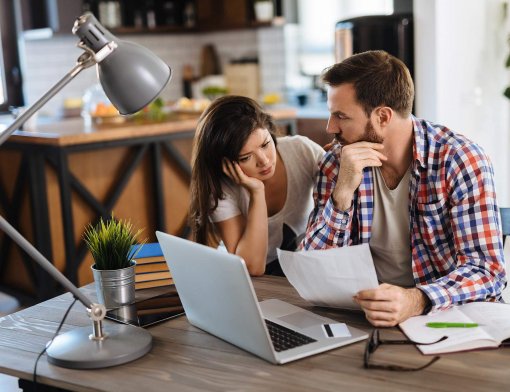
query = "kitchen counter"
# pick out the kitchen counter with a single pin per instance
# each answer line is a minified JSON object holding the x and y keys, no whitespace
{"x":70,"y":132}
{"x":319,"y":111}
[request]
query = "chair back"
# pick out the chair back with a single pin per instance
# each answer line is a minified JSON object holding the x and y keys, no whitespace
{"x":505,"y":222}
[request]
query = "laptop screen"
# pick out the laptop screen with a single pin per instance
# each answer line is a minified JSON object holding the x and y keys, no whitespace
{"x":149,"y":311}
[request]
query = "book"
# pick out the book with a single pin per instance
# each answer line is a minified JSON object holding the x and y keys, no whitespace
{"x":168,"y":309}
{"x":166,"y":303}
{"x":152,"y":276}
{"x":153,"y":283}
{"x":493,"y":328}
{"x":169,"y":299}
{"x":149,"y":260}
{"x":151,"y":267}
{"x":151,"y":249}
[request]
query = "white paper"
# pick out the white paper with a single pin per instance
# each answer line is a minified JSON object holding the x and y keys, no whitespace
{"x":494,"y":326}
{"x":330,"y":277}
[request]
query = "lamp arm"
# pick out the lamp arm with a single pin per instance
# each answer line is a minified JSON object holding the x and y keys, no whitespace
{"x":43,"y":261}
{"x":118,"y":344}
{"x":86,"y":60}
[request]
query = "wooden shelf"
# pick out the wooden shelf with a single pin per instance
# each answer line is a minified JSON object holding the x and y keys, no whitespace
{"x":210,"y":16}
{"x":155,"y":30}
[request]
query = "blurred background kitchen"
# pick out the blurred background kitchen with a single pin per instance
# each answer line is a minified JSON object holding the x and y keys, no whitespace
{"x":271,"y":50}
{"x":459,"y":53}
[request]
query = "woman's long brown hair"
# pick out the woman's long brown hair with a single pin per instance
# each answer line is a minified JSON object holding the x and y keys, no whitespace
{"x":222,"y":131}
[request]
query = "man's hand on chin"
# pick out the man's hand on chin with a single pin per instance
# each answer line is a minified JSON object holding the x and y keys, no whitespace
{"x":389,"y":305}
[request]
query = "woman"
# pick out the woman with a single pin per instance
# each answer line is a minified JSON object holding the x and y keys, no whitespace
{"x":255,"y":196}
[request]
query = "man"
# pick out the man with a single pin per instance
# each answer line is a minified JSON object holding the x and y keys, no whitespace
{"x":422,"y":195}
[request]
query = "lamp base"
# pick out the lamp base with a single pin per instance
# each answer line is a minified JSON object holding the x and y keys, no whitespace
{"x":75,"y":350}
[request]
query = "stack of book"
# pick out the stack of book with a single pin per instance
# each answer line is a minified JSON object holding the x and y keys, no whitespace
{"x":151,"y":269}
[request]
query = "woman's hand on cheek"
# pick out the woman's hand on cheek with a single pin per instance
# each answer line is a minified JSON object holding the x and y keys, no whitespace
{"x":236,"y":174}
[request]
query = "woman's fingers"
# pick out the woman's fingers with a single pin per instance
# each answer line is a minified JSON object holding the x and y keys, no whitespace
{"x":232,"y":169}
{"x":238,"y":171}
{"x":227,"y":169}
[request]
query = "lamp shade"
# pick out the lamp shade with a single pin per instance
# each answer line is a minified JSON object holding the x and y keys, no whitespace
{"x":131,"y":75}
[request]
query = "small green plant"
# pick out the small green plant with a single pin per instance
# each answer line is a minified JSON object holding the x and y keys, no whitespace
{"x":110,"y":243}
{"x":213,"y":92}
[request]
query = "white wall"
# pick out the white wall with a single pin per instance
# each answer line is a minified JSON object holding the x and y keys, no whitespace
{"x":460,"y":52}
{"x":48,"y":60}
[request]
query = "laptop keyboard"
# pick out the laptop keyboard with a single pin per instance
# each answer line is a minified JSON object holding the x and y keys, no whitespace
{"x":284,"y":338}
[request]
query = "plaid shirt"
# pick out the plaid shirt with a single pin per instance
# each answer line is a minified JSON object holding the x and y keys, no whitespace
{"x":457,"y":252}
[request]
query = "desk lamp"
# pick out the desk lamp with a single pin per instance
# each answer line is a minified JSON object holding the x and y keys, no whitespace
{"x":131,"y":76}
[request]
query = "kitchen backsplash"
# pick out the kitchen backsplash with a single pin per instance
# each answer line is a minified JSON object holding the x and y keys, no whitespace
{"x":48,"y":60}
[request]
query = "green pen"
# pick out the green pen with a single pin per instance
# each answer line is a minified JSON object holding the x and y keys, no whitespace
{"x":451,"y":325}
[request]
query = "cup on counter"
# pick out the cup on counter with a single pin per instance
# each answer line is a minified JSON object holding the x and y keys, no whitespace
{"x":302,"y":99}
{"x":30,"y":123}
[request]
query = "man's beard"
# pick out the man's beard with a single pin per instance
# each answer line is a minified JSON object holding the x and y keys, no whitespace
{"x":368,"y":136}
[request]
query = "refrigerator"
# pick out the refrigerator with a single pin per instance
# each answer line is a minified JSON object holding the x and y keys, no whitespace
{"x":392,"y":33}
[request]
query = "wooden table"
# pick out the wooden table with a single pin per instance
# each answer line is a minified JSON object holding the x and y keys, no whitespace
{"x":185,"y":358}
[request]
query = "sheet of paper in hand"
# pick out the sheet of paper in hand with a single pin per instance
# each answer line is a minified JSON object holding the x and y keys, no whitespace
{"x":330,"y":277}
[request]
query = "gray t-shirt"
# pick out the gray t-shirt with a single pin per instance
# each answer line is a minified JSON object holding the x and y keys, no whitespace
{"x":390,"y":241}
{"x":300,"y":156}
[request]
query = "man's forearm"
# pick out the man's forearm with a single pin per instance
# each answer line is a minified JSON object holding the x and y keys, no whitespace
{"x":342,"y":200}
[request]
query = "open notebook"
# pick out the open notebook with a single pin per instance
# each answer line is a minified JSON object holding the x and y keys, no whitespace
{"x":493,"y":321}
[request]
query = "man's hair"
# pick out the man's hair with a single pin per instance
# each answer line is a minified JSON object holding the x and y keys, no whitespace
{"x":379,"y":79}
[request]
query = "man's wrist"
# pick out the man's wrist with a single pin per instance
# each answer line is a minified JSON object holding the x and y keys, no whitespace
{"x":422,"y":302}
{"x":341,"y":201}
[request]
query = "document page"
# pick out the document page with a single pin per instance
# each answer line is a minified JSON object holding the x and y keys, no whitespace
{"x":493,"y":320}
{"x":493,"y":317}
{"x":330,"y":277}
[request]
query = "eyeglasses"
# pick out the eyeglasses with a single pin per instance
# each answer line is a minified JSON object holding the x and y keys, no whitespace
{"x":374,"y":342}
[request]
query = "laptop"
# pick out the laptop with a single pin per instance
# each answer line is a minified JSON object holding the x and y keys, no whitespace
{"x":218,"y":297}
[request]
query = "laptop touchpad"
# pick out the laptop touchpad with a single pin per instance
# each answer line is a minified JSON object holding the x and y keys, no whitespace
{"x":301,"y":320}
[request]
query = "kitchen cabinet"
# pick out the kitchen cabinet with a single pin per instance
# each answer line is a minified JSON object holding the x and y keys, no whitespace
{"x":57,"y":15}
{"x":223,"y":14}
{"x":11,"y":93}
{"x":179,"y":16}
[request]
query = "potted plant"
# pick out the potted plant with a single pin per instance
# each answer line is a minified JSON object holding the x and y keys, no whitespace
{"x":110,"y":244}
{"x":212,"y":92}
